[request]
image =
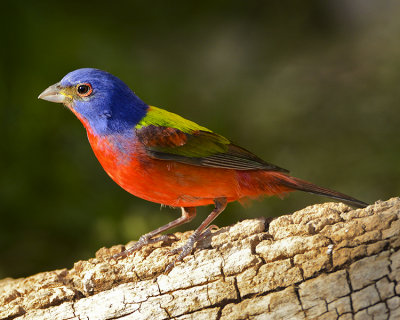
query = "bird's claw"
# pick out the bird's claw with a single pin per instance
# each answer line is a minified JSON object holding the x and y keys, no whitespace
{"x":187,"y":248}
{"x":207,"y":232}
{"x":183,"y":251}
{"x":143,"y":240}
{"x":127,"y":252}
{"x":174,"y":251}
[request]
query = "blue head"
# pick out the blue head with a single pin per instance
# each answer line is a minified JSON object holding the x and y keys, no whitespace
{"x":100,"y":100}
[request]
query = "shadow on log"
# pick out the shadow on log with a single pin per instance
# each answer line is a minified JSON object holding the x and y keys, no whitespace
{"x":324,"y":262}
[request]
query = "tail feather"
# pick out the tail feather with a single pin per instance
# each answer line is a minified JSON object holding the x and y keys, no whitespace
{"x":302,"y":185}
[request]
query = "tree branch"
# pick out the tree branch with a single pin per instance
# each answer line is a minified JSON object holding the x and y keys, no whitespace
{"x":323,"y":262}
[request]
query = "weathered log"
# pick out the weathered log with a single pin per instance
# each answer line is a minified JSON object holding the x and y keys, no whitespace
{"x":324,"y":262}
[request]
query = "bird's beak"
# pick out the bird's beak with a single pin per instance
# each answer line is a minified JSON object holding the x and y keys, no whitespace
{"x":53,"y":94}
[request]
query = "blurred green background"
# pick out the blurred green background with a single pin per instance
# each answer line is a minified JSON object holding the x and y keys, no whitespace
{"x":310,"y":86}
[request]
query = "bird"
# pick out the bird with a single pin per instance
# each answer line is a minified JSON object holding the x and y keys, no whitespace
{"x":164,"y":158}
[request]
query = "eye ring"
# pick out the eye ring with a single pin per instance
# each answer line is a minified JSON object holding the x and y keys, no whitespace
{"x":84,"y":89}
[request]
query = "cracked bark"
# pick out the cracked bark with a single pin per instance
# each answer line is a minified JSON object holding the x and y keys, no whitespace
{"x":323,"y":262}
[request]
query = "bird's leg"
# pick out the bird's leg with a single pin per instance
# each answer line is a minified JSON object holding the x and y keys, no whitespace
{"x":200,"y":232}
{"x":188,"y":215}
{"x":207,"y":232}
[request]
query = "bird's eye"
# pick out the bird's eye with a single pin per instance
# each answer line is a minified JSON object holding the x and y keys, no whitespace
{"x":84,"y":89}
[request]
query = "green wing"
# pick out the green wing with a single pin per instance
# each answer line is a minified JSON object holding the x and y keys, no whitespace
{"x":167,"y":136}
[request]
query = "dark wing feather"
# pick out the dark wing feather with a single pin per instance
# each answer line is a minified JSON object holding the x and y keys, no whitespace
{"x":200,"y":148}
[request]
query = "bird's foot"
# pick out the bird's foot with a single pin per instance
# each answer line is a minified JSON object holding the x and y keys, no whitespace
{"x":187,"y":248}
{"x":143,"y":240}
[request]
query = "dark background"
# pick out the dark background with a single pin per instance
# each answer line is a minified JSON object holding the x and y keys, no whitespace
{"x":312,"y":86}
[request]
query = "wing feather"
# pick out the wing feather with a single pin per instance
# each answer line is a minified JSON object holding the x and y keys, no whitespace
{"x":200,"y":148}
{"x":168,"y":136}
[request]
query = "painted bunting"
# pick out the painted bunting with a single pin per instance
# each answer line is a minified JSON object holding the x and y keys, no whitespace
{"x":161,"y":157}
